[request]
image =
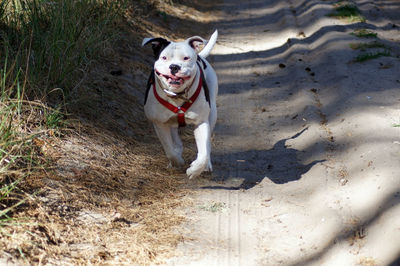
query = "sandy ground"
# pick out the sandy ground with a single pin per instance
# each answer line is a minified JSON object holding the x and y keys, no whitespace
{"x":306,"y":150}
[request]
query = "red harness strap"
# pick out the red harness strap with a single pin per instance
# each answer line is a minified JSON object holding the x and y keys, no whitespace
{"x":180,"y":110}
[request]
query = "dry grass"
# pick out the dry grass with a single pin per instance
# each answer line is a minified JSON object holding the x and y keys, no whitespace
{"x":107,"y":202}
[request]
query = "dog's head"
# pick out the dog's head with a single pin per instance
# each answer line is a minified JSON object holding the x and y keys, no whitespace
{"x":175,"y":64}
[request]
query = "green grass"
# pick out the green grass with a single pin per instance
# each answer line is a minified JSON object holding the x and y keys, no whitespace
{"x":369,"y":56}
{"x":55,"y":42}
{"x":364,"y":33}
{"x":55,"y":119}
{"x":45,"y":46}
{"x":214,"y":207}
{"x":378,"y":50}
{"x":348,"y":12}
{"x":12,"y":200}
{"x":18,"y":157}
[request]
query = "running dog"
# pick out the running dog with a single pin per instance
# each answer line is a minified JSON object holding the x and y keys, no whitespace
{"x":182,"y":89}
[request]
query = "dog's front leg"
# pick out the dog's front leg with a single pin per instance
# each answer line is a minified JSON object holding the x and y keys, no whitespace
{"x":202,"y":135}
{"x":174,"y":153}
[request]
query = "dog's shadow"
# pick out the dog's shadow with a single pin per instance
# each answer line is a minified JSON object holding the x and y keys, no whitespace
{"x":280,"y":164}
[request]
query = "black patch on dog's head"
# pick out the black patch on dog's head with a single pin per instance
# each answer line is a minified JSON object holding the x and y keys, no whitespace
{"x":158,"y":45}
{"x":150,"y":82}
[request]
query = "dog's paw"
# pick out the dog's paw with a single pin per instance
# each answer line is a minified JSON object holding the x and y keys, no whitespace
{"x":176,"y":162}
{"x":192,"y":172}
{"x":180,"y":162}
{"x":195,"y":169}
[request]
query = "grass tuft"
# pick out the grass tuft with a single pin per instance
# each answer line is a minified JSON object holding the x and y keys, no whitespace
{"x":55,"y":119}
{"x":364,"y":33}
{"x":347,"y":11}
{"x":214,"y":207}
{"x":369,"y":56}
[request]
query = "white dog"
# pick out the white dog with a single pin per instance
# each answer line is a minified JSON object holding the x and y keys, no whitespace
{"x":182,"y":89}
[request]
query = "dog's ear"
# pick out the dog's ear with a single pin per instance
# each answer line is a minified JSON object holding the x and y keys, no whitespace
{"x":196,"y":43}
{"x":158,"y":44}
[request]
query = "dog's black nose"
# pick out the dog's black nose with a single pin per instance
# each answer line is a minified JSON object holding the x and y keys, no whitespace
{"x":174,"y":69}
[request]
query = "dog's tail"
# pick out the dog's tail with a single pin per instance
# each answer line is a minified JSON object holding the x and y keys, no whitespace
{"x":210,"y":45}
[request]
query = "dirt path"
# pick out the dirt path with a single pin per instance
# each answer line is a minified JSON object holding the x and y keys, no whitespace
{"x":307,"y":145}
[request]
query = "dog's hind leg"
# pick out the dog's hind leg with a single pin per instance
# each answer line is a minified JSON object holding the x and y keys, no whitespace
{"x":165,"y":135}
{"x":177,"y":141}
{"x":212,"y":118}
{"x":213,"y":88}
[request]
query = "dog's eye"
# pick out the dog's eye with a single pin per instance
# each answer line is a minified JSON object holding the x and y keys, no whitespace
{"x":186,"y":58}
{"x":164,"y":57}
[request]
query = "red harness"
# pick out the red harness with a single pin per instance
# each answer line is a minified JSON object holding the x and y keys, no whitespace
{"x":180,"y":110}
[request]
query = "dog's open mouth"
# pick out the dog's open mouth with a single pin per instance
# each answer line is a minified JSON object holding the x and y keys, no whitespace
{"x":173,"y":80}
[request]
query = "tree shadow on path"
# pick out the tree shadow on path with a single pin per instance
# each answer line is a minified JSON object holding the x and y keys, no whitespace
{"x":280,"y":164}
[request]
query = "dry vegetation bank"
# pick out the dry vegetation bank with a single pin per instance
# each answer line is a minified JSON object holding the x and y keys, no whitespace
{"x":100,"y":192}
